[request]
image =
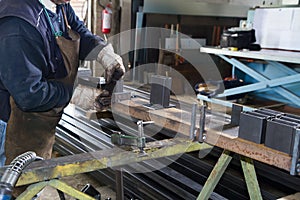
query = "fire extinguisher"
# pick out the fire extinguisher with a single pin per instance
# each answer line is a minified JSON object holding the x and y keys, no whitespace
{"x":106,"y":18}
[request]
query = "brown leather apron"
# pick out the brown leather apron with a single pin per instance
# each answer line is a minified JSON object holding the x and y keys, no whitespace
{"x":35,"y":131}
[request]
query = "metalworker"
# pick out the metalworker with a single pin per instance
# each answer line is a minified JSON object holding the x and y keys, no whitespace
{"x":40,"y":52}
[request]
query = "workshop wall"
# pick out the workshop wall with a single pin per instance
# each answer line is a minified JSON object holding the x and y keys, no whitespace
{"x":80,"y":8}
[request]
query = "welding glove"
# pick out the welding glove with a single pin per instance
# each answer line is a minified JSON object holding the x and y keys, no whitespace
{"x":112,"y":62}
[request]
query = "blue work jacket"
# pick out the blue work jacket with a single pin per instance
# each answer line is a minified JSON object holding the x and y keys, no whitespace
{"x":30,"y":60}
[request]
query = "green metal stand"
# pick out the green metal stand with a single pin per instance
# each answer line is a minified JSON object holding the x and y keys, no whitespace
{"x":215,"y":175}
{"x":250,"y":178}
{"x":34,"y":189}
{"x":218,"y":171}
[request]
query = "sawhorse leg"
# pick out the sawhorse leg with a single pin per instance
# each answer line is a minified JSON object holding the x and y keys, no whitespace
{"x":250,"y":178}
{"x":36,"y":188}
{"x":215,"y":175}
{"x":218,"y":171}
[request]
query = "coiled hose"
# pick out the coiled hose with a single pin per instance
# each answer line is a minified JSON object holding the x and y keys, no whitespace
{"x":13,"y":172}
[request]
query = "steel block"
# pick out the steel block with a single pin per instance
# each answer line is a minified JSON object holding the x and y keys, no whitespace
{"x":253,"y":124}
{"x":160,"y":90}
{"x":280,"y":134}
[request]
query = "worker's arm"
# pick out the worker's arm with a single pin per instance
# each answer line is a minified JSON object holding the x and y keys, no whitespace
{"x":24,"y":66}
{"x":95,"y":48}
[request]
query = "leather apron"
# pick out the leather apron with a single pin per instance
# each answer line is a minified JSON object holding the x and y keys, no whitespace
{"x":35,"y":131}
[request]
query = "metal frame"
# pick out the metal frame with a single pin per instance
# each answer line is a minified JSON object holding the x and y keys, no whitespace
{"x":265,"y":81}
{"x":250,"y":178}
{"x":80,"y":163}
{"x":34,"y":189}
{"x":215,"y":175}
{"x":46,"y":172}
{"x":218,"y":171}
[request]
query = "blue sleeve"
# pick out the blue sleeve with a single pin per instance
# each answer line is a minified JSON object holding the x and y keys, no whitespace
{"x":23,"y":69}
{"x":90,"y":44}
{"x":2,"y":142}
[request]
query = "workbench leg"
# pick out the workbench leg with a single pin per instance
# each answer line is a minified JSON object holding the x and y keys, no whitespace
{"x":215,"y":175}
{"x":36,"y":188}
{"x":250,"y":178}
{"x":32,"y":190}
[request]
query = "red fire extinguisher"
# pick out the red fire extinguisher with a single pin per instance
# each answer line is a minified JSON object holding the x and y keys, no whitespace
{"x":106,"y":18}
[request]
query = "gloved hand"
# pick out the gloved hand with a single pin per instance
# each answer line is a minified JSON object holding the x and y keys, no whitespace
{"x":112,"y":62}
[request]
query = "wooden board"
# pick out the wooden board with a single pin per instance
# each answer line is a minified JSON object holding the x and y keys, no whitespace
{"x":176,"y":120}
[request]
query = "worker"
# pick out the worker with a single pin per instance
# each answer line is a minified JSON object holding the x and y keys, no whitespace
{"x":40,"y":52}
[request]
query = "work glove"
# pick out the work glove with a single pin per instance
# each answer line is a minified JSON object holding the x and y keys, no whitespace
{"x":112,"y":62}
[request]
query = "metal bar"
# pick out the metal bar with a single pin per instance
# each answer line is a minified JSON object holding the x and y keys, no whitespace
{"x":202,"y":123}
{"x":215,"y":175}
{"x":69,"y":190}
{"x":244,"y":68}
{"x":243,"y":89}
{"x":88,"y":162}
{"x":193,"y":121}
{"x":250,"y":178}
{"x":280,"y":90}
{"x":288,"y":95}
{"x":32,"y":190}
{"x":295,"y":165}
{"x":284,"y":80}
{"x":282,"y":67}
{"x":119,"y":184}
{"x":280,"y":56}
{"x":233,"y":71}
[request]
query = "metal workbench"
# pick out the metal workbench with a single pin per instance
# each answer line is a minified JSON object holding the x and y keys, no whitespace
{"x":270,"y":78}
{"x":46,"y":172}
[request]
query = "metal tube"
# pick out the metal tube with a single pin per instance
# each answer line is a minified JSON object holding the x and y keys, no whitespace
{"x":140,"y":128}
{"x":193,"y":121}
{"x":202,"y":123}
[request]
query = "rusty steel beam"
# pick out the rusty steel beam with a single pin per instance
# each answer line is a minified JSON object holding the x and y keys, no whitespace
{"x":87,"y":162}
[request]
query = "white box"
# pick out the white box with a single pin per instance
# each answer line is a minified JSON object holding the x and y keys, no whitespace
{"x":277,"y":28}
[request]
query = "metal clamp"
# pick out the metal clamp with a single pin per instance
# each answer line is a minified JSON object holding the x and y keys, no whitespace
{"x":138,"y":141}
{"x":202,"y":136}
{"x":141,"y":141}
{"x":193,"y":121}
{"x":193,"y":129}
